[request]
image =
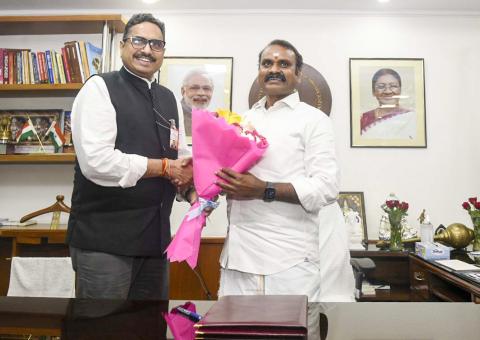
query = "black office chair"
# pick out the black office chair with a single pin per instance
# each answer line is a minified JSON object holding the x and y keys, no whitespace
{"x":361,"y":267}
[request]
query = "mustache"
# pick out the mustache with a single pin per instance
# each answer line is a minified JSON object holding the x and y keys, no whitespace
{"x":144,"y":55}
{"x":277,"y":75}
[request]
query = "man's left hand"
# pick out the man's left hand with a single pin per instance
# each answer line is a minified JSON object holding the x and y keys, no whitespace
{"x":241,"y":186}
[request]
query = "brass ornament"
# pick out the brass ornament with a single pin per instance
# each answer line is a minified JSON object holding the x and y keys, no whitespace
{"x":456,"y":235}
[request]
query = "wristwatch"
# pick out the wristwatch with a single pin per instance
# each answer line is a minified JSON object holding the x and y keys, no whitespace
{"x":269,"y":194}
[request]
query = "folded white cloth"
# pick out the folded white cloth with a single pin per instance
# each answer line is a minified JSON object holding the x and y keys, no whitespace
{"x":42,"y":277}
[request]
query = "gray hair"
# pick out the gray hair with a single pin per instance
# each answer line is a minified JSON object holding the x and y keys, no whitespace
{"x":197,"y":72}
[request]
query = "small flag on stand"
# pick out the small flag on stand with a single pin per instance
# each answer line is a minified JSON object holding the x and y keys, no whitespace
{"x":55,"y":134}
{"x":27,"y":131}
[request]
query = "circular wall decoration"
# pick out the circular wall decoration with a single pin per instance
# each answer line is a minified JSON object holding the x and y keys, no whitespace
{"x":313,"y":90}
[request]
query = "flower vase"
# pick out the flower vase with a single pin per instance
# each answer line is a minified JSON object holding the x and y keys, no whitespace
{"x":395,"y":234}
{"x":476,"y":233}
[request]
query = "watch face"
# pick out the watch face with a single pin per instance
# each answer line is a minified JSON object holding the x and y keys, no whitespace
{"x":269,"y":194}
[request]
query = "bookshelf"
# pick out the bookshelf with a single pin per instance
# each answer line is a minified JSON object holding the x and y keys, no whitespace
{"x":107,"y":25}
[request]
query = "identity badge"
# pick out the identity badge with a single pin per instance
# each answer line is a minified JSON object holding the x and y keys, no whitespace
{"x":173,"y":135}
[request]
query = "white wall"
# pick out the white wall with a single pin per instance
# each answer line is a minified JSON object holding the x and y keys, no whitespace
{"x":438,"y":178}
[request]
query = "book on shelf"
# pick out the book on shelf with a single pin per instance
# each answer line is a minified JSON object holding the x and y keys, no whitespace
{"x":74,"y":62}
{"x":83,"y":53}
{"x":94,"y":57}
{"x":66,"y":65}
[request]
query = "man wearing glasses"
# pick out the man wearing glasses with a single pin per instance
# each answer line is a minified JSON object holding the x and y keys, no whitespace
{"x":389,"y":120}
{"x":126,"y":131}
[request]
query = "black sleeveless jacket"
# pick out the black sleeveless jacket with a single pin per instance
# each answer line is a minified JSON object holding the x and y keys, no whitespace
{"x":133,"y":221}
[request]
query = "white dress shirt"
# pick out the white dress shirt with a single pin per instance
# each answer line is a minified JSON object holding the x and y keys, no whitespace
{"x":94,"y":131}
{"x":268,"y":237}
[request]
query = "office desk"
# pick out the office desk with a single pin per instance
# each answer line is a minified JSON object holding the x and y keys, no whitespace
{"x":412,"y":278}
{"x":101,"y":319}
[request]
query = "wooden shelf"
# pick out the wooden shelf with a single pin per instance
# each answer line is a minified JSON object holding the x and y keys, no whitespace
{"x":40,"y":158}
{"x":39,"y":90}
{"x":59,"y":24}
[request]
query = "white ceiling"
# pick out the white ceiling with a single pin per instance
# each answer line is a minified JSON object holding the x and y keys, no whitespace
{"x":465,"y":6}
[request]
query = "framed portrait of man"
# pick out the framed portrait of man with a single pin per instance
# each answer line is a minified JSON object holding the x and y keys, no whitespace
{"x":198,"y":82}
{"x":352,"y":205}
{"x":387,"y":103}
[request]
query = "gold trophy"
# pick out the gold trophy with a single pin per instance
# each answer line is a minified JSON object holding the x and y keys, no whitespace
{"x":456,"y":235}
{"x":5,"y":134}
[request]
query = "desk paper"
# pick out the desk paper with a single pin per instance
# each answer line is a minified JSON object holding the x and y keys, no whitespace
{"x":457,"y":265}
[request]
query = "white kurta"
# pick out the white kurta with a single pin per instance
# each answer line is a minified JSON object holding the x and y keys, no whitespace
{"x":337,"y":281}
{"x":270,"y":237}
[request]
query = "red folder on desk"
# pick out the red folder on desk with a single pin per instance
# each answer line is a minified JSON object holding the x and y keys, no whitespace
{"x":255,"y":316}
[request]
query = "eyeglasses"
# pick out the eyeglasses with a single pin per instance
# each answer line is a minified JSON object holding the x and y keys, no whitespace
{"x":140,"y":42}
{"x":383,"y":87}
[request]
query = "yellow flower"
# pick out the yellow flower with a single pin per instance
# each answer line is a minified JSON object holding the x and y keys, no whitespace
{"x":230,"y":117}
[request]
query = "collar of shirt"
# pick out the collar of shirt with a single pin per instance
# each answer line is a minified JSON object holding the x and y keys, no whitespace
{"x":149,"y":82}
{"x":291,"y":101}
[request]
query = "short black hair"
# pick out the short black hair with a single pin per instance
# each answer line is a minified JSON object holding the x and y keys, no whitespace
{"x":288,"y":46}
{"x":143,"y":17}
{"x":382,"y":72}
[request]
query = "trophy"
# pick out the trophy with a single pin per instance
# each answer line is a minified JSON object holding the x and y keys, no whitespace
{"x":5,"y":133}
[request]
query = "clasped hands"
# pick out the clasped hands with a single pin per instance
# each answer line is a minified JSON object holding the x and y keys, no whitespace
{"x":181,"y":173}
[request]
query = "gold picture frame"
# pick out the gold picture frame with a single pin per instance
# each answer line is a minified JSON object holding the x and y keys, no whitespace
{"x":387,"y":103}
{"x":353,"y":201}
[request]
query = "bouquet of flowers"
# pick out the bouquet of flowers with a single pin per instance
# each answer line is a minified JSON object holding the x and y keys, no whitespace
{"x":473,"y":208}
{"x":395,"y":211}
{"x":219,"y":141}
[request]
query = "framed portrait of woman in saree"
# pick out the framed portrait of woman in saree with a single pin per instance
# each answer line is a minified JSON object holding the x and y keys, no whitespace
{"x":387,"y":103}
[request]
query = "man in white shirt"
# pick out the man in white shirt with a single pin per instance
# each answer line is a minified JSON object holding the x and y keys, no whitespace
{"x":125,"y":130}
{"x":272,"y":241}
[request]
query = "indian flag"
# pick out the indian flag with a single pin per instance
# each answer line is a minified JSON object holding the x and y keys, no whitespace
{"x":55,"y":135}
{"x":26,"y":132}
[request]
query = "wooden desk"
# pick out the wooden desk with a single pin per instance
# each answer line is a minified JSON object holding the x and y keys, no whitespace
{"x":391,"y":268}
{"x":432,"y":282}
{"x":38,"y":240}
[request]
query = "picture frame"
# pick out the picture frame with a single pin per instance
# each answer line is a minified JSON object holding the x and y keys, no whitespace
{"x":352,"y":204}
{"x":177,"y":71}
{"x":387,"y":103}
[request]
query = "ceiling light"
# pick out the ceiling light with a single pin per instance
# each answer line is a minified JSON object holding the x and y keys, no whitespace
{"x":149,"y":1}
{"x":377,"y":0}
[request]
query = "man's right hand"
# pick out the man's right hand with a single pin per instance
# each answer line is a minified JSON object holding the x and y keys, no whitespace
{"x":180,"y":172}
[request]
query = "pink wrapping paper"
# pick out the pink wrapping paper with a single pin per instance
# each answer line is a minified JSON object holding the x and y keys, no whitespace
{"x":216,"y":145}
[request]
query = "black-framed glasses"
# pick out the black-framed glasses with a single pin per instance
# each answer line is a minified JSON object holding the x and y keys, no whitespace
{"x":140,"y":42}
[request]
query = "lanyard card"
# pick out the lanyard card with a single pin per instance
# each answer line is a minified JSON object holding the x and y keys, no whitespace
{"x":173,"y":135}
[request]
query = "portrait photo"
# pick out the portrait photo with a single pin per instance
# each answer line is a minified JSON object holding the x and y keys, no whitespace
{"x":387,"y":103}
{"x":199,"y":82}
{"x":352,"y":205}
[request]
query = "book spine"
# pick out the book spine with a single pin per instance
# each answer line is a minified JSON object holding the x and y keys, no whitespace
{"x":61,"y":69}
{"x":80,"y":63}
{"x":26,"y":70}
{"x":30,"y":67}
{"x":2,"y":51}
{"x":11,"y":67}
{"x":66,"y":65}
{"x":18,"y":68}
{"x":56,"y":76}
{"x":36,"y":74}
{"x":44,"y":68}
{"x":48,"y":57}
{"x":83,"y":52}
{"x":5,"y":67}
